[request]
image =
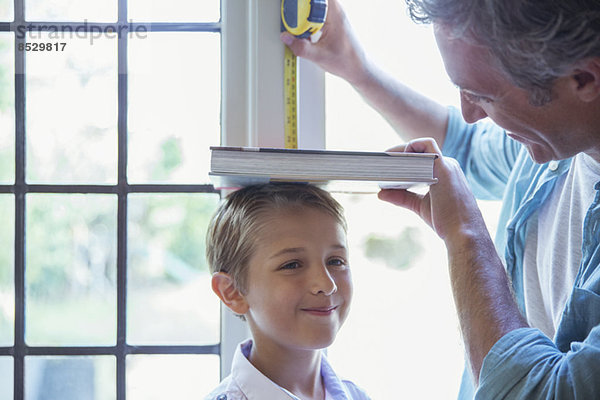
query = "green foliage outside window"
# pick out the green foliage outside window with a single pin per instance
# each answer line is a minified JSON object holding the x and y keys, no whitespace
{"x":396,"y":252}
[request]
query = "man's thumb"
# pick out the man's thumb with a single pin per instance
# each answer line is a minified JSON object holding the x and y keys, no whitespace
{"x":299,"y":47}
{"x":402,"y":198}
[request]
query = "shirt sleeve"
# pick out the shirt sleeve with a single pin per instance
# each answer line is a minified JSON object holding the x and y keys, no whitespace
{"x":485,"y":153}
{"x":525,"y":364}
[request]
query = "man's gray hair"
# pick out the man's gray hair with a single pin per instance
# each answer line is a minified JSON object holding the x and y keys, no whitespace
{"x":534,"y":41}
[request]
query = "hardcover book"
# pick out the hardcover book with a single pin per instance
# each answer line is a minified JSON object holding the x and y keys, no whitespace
{"x":345,"y":171}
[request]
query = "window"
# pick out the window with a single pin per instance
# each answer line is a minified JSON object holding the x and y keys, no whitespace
{"x":107,"y":109}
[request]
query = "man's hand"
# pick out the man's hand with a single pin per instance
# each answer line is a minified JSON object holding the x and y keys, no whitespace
{"x":484,"y":302}
{"x":449,"y":207}
{"x":337,"y":51}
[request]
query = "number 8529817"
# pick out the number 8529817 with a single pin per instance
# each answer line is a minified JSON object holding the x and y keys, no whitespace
{"x":58,"y":46}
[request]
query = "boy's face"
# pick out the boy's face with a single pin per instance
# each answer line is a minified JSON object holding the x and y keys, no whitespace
{"x":299,"y":286}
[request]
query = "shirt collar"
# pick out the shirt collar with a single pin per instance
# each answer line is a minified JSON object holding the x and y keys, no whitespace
{"x":256,"y":386}
{"x":251,"y":381}
{"x":333,"y":384}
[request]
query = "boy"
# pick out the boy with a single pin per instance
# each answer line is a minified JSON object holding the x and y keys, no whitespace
{"x":279,"y":260}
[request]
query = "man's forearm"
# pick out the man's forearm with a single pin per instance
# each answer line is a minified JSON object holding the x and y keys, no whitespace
{"x":410,"y":113}
{"x":484,"y":301}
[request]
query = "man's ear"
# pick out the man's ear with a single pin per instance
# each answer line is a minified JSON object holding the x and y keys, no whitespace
{"x":587,"y":79}
{"x":224,"y":287}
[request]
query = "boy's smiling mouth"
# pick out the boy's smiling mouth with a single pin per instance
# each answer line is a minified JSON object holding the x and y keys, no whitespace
{"x":320,"y":311}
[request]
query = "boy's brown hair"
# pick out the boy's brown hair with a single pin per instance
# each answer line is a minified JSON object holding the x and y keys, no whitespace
{"x":230,"y":240}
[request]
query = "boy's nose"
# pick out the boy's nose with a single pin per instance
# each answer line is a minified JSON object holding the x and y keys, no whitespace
{"x":322,"y":281}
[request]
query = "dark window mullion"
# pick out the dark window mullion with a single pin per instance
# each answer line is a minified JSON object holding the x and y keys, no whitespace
{"x":111,"y":189}
{"x":140,"y":28}
{"x":19,"y":344}
{"x":121,"y":350}
{"x":121,"y":384}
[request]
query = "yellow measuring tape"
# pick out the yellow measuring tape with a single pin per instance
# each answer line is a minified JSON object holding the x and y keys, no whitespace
{"x":290,"y":99}
{"x":301,"y":18}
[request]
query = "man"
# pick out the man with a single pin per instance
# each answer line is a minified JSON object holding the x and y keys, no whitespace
{"x":534,"y":68}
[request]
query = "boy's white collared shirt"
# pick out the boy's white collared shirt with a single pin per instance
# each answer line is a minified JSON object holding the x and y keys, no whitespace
{"x":247,"y":383}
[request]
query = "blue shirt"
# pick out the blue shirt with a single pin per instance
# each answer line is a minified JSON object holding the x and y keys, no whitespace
{"x":526,"y":364}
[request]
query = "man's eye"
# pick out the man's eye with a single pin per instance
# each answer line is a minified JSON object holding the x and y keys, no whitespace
{"x":291,"y":265}
{"x":474,"y":99}
{"x":482,"y":99}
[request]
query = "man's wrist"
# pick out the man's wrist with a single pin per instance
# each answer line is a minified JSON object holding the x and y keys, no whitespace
{"x":466,"y":240}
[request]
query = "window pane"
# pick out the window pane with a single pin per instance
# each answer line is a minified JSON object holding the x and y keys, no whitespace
{"x":72,"y":110}
{"x":6,"y":377}
{"x":71,"y":10}
{"x":71,"y":269}
{"x":70,"y":378}
{"x":174,"y":10}
{"x":6,"y":10}
{"x":169,"y":295}
{"x":7,"y":108}
{"x":180,"y":377}
{"x":7,"y":270}
{"x":174,"y":106}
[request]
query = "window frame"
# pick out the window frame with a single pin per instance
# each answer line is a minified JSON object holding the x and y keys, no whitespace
{"x":20,"y":188}
{"x":252,"y":106}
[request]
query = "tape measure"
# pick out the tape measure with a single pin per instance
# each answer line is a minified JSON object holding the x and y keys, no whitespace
{"x":301,"y":18}
{"x":290,"y":100}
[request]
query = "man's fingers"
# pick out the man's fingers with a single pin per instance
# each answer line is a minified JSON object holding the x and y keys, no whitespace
{"x":300,"y":47}
{"x":398,"y":149}
{"x":286,"y":37}
{"x":402,"y":198}
{"x":423,"y":145}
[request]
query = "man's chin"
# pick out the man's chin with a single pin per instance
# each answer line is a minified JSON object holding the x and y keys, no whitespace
{"x":538,"y":155}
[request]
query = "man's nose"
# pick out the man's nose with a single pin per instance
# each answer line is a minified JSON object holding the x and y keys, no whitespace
{"x":471,"y":112}
{"x":322,"y":281}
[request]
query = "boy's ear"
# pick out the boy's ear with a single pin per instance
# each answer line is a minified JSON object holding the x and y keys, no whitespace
{"x":223,"y":286}
{"x":587,"y":79}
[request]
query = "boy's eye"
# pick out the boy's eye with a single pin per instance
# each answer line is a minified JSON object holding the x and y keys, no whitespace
{"x":336,"y":262}
{"x":291,"y":265}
